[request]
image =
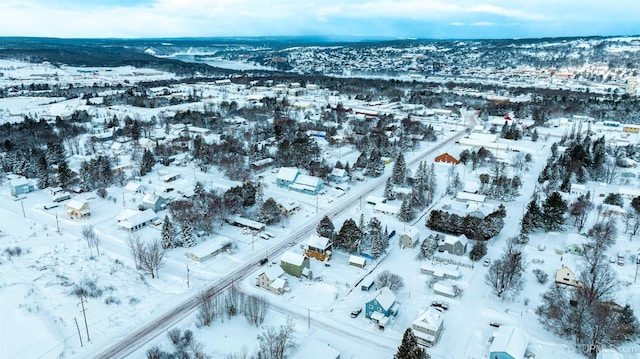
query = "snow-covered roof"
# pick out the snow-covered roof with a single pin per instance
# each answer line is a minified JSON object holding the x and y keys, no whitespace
{"x":444,"y":289}
{"x":75,"y":204}
{"x":274,"y":272}
{"x":465,"y":196}
{"x":510,"y":340}
{"x":411,"y":231}
{"x":293,"y":258}
{"x":278,"y":283}
{"x":210,"y":246}
{"x":431,"y":319}
{"x":317,"y":241}
{"x":357,"y":260}
{"x":385,"y":298}
{"x":287,"y":174}
{"x":126,"y":213}
{"x":471,"y":186}
{"x":449,"y":239}
{"x":20,"y":181}
{"x":338,"y":172}
{"x":307,"y":180}
{"x":137,"y":218}
{"x":575,"y":239}
{"x":150,"y":198}
{"x":132,"y":186}
{"x":314,"y":349}
{"x":386,"y":208}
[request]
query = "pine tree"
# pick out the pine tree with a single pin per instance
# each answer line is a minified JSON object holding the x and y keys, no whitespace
{"x":406,"y":211}
{"x":375,"y":167}
{"x":168,"y":234}
{"x":534,"y":135}
{"x":409,"y":349}
{"x":432,"y":183}
{"x":269,"y":212}
{"x":325,"y":227}
{"x":553,"y":211}
{"x":187,"y":239}
{"x":399,"y":174}
{"x":147,"y":162}
{"x":198,"y":190}
{"x":349,"y":236}
{"x":376,"y":237}
{"x":65,"y":175}
{"x":43,"y":172}
{"x":389,"y":194}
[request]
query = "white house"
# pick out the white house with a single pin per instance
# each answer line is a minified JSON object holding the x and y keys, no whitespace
{"x":509,"y":343}
{"x":271,"y":280}
{"x":578,"y":189}
{"x":135,"y":220}
{"x":466,"y":196}
{"x":388,"y":209}
{"x":409,"y":238}
{"x":443,"y":289}
{"x":209,"y":249}
{"x":428,"y":327}
{"x":339,"y":175}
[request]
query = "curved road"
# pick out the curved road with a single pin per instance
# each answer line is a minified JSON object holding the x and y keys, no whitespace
{"x":138,"y":338}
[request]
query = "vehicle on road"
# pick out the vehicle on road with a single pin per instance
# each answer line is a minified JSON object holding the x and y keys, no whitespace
{"x":440,"y":304}
{"x":486,"y":262}
{"x":263,"y":261}
{"x":356,"y":312}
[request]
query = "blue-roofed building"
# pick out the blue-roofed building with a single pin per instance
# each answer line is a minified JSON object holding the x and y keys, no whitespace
{"x":20,"y":185}
{"x":382,"y":306}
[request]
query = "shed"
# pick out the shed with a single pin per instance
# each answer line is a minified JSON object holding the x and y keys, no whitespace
{"x":445,"y":290}
{"x":509,"y":343}
{"x":295,"y":264}
{"x":366,"y":284}
{"x":209,"y":249}
{"x":409,"y":238}
{"x":357,"y":261}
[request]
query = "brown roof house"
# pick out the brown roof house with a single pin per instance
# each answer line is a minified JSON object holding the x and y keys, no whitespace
{"x":446,"y":158}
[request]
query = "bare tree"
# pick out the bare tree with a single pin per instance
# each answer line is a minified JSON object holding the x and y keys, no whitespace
{"x":90,"y":235}
{"x":389,"y":280}
{"x":208,"y":308}
{"x":276,"y":343}
{"x":135,"y":246}
{"x":232,"y":301}
{"x":255,"y":309}
{"x":519,"y":162}
{"x":505,"y":275}
{"x":151,"y":257}
{"x":154,"y":352}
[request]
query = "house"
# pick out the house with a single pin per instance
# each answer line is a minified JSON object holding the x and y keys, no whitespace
{"x":428,"y":326}
{"x":314,"y":349}
{"x":318,"y":247}
{"x":20,"y":185}
{"x":566,"y":276}
{"x":358,"y":262}
{"x":366,"y":284}
{"x":440,"y":271}
{"x":375,"y":200}
{"x":454,"y":244}
{"x":260,"y":164}
{"x":77,"y":209}
{"x":388,"y":209}
{"x":508,"y":343}
{"x":466,"y":196}
{"x":574,"y":244}
{"x":271,"y":280}
{"x":246,"y":223}
{"x":296,"y":264}
{"x":154,"y":202}
{"x":134,"y":187}
{"x":288,"y":208}
{"x":446,"y":158}
{"x":479,"y":210}
{"x":471,"y":187}
{"x":339,"y":175}
{"x":286,"y":176}
{"x":382,"y":306}
{"x":135,"y":220}
{"x":307,"y":184}
{"x":209,"y":249}
{"x":445,"y":290}
{"x":409,"y":238}
{"x":578,"y":189}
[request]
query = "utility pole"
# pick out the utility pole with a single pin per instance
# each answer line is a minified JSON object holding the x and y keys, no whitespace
{"x":85,"y":316}
{"x":78,"y":327}
{"x":123,"y":203}
{"x":187,"y":276}
{"x":57,"y":224}
{"x":22,"y":204}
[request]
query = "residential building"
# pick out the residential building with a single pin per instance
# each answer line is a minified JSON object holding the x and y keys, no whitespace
{"x":357,"y":261}
{"x":286,"y":176}
{"x":410,"y":238}
{"x":318,"y":247}
{"x":209,"y":249}
{"x":291,"y":178}
{"x":428,"y":326}
{"x":509,"y":343}
{"x":446,"y":158}
{"x":566,"y":276}
{"x":387,"y":209}
{"x":155,"y":202}
{"x":382,"y":306}
{"x":440,"y":271}
{"x":313,"y":349}
{"x":339,"y":175}
{"x":296,"y":264}
{"x":454,"y":244}
{"x":77,"y":209}
{"x":271,"y":279}
{"x":134,"y":220}
{"x":20,"y":185}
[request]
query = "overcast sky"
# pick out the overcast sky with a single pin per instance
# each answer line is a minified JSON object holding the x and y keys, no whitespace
{"x":359,"y":18}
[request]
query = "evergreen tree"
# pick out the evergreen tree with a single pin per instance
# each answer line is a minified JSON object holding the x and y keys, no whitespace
{"x":553,"y":211}
{"x":432,"y":184}
{"x":65,"y":175}
{"x":535,"y":135}
{"x":168,"y":234}
{"x":325,"y":228}
{"x":349,"y":236}
{"x":399,"y":174}
{"x":389,"y":194}
{"x":198,"y":190}
{"x":269,"y":212}
{"x":187,"y":239}
{"x":376,"y":237}
{"x":409,"y":349}
{"x":406,"y":211}
{"x":361,"y":161}
{"x":43,"y":172}
{"x":147,"y":162}
{"x":375,"y":167}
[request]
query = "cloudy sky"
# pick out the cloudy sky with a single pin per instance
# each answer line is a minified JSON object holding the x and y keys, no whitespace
{"x":358,"y":18}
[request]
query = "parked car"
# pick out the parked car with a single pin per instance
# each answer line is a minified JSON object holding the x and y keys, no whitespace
{"x":50,"y":206}
{"x":263,"y":261}
{"x":495,"y":324}
{"x":356,"y":312}
{"x":486,"y":262}
{"x":440,"y":304}
{"x":620,"y":258}
{"x":393,"y":233}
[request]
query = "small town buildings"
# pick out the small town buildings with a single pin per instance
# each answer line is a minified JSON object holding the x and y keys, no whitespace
{"x":375,"y":200}
{"x":443,"y":289}
{"x":134,"y":187}
{"x":209,"y":249}
{"x":286,"y":176}
{"x":246,"y":223}
{"x":479,"y":210}
{"x":288,"y":208}
{"x":410,"y":238}
{"x":509,"y":343}
{"x":318,"y":247}
{"x":134,"y":220}
{"x":566,"y":276}
{"x":428,"y":327}
{"x":578,"y":189}
{"x":387,"y":209}
{"x":154,"y":202}
{"x":382,"y":306}
{"x":77,"y":209}
{"x":339,"y":175}
{"x":358,"y":262}
{"x":296,"y":264}
{"x":446,"y":158}
{"x":271,"y":280}
{"x":440,"y":271}
{"x":466,"y":196}
{"x":20,"y":185}
{"x":454,"y":244}
{"x":291,"y":178}
{"x":314,"y":349}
